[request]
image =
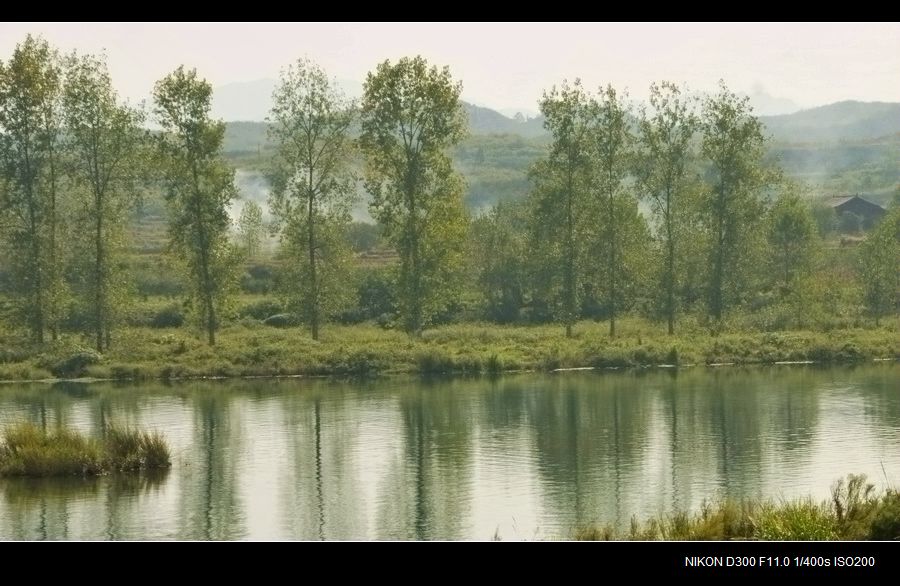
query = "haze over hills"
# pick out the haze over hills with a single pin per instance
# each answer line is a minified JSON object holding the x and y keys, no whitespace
{"x":250,"y":102}
{"x":841,"y":121}
{"x":845,"y":147}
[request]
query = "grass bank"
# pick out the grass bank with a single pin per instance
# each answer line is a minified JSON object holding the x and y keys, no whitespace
{"x":855,"y":512}
{"x":28,"y":450}
{"x":252,"y":349}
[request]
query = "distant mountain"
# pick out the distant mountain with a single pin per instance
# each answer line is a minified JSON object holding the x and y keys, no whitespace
{"x":244,"y":137}
{"x":765,"y":104}
{"x":841,"y":121}
{"x":486,"y":121}
{"x":250,"y":101}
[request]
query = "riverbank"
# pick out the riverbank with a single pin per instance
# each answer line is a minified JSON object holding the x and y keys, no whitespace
{"x":368,"y":350}
{"x":855,"y":512}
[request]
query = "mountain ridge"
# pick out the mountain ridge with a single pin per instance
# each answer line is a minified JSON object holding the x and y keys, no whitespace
{"x":849,"y":120}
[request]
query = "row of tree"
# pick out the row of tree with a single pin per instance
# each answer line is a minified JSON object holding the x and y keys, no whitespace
{"x":604,"y":157}
{"x":674,"y":205}
{"x":75,"y":158}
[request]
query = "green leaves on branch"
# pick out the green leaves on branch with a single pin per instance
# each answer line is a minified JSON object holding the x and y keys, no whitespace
{"x":104,"y":141}
{"x":313,"y":189}
{"x":411,"y":117}
{"x":200,"y":187}
{"x":587,"y":231}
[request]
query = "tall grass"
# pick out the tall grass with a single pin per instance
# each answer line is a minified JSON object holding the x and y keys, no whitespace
{"x":28,"y":450}
{"x":855,"y":512}
{"x":252,"y":349}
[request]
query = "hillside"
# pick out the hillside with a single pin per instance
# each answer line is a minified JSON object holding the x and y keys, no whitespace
{"x":488,"y":121}
{"x":841,"y":121}
{"x":842,"y":147}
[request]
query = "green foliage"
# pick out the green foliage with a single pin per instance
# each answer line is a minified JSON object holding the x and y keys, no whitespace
{"x":200,"y":187}
{"x":313,"y":190}
{"x":500,"y":248}
{"x":733,"y":143}
{"x":376,"y":294}
{"x":886,"y":522}
{"x":710,"y":240}
{"x":259,"y":279}
{"x":856,"y":512}
{"x":131,"y":450}
{"x":319,"y":286}
{"x":880,"y":258}
{"x":75,"y":365}
{"x":825,"y":217}
{"x":30,"y":174}
{"x":854,"y":504}
{"x":664,"y":178}
{"x":793,"y":240}
{"x":495,"y":167}
{"x":104,"y":140}
{"x":796,"y":521}
{"x":250,"y":228}
{"x":621,"y":237}
{"x":363,"y":236}
{"x":261,"y":309}
{"x":171,"y":316}
{"x":411,"y":116}
{"x":27,"y":450}
{"x":561,"y":206}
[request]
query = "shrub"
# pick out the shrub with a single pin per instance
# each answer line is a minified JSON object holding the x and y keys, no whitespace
{"x":886,"y":524}
{"x":168,"y":317}
{"x":75,"y":365}
{"x":798,"y":521}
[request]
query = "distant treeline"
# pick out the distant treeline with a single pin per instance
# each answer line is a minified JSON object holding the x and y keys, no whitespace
{"x":670,"y":208}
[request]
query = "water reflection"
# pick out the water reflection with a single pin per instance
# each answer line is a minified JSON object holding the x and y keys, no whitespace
{"x":523,"y":456}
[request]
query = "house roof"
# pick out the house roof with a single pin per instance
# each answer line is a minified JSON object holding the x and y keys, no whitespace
{"x":839,"y":200}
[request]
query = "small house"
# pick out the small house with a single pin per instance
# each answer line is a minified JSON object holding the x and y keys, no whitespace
{"x":867,"y":211}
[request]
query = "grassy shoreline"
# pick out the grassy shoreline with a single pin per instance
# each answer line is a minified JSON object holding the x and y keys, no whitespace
{"x":856,"y":511}
{"x":250,"y":350}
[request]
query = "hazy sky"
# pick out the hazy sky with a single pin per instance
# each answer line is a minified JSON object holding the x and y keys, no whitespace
{"x":508,"y":65}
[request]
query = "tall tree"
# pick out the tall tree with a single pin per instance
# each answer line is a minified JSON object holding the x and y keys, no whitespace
{"x":880,"y":259}
{"x":313,"y":187}
{"x":560,"y":205}
{"x":664,"y":177}
{"x":104,"y":139}
{"x":793,"y":238}
{"x":250,"y":228}
{"x":200,"y":189}
{"x":30,"y":134}
{"x":733,"y":145}
{"x":411,"y":116}
{"x":613,"y":148}
{"x":500,"y":251}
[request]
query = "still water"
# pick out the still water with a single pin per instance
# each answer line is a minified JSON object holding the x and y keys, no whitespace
{"x":520,"y":457}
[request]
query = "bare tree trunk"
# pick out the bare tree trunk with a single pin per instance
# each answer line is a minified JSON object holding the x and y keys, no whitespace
{"x":314,"y":306}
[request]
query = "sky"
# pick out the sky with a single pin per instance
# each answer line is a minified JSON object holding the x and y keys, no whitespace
{"x":507,"y":66}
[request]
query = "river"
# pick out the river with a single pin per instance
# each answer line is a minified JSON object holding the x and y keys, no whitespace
{"x":519,"y":457}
